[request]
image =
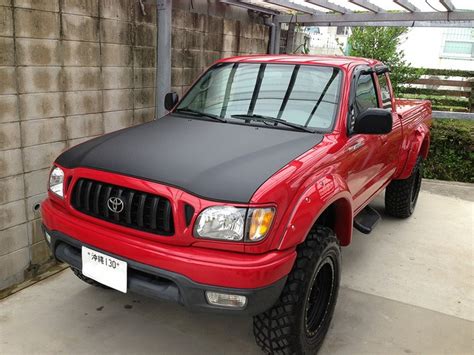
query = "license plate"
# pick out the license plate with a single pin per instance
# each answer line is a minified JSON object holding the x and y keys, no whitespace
{"x":105,"y":269}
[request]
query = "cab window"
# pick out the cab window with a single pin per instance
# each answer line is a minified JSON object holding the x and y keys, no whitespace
{"x":306,"y":95}
{"x":385,"y":92}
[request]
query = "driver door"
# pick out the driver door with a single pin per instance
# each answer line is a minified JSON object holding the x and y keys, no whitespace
{"x":363,"y":151}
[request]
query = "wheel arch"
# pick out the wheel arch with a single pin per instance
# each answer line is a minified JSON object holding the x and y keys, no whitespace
{"x":338,"y":217}
{"x":419,"y":146}
{"x":328,"y":202}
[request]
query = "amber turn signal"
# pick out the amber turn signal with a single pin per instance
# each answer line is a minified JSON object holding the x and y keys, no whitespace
{"x":259,"y":222}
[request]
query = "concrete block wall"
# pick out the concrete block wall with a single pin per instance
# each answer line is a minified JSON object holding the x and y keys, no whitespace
{"x":204,"y":35}
{"x":71,"y":70}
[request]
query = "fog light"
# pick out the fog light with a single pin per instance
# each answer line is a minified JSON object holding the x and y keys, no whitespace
{"x":226,"y":300}
{"x":48,"y":237}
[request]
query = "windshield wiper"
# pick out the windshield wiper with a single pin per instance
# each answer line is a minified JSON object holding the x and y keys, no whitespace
{"x":200,"y":114}
{"x":262,"y":118}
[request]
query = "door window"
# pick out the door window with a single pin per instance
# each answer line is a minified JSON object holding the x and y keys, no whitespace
{"x":366,"y":94}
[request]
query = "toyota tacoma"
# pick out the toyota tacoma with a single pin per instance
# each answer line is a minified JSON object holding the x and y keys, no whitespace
{"x":239,"y":199}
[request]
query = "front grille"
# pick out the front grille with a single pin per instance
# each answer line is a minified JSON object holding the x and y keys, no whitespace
{"x":141,"y":210}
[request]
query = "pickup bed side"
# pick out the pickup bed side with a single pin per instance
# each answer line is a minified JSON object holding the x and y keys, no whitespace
{"x":416,"y":120}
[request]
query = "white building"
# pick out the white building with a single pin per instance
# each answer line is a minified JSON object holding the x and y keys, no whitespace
{"x":328,"y":40}
{"x":440,"y":48}
{"x":424,"y":47}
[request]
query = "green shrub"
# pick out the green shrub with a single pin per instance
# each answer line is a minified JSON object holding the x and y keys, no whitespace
{"x":451,"y":155}
{"x":449,"y":108}
{"x":449,"y":72}
{"x":440,"y":100}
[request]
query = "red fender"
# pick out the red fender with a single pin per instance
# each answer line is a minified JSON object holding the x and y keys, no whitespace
{"x":419,"y":146}
{"x":326,"y":191}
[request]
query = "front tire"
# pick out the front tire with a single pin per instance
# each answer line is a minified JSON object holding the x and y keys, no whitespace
{"x":401,"y":195}
{"x":299,"y":321}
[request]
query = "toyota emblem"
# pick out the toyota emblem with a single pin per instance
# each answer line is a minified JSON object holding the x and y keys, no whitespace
{"x":115,"y":204}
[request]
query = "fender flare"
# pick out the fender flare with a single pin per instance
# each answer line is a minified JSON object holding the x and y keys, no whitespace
{"x":419,"y":145}
{"x":312,"y":202}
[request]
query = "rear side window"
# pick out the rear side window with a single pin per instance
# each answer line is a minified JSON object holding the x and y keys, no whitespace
{"x":385,"y":92}
{"x":366,"y":95}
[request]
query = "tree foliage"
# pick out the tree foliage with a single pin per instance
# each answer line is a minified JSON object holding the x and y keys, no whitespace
{"x":382,"y":43}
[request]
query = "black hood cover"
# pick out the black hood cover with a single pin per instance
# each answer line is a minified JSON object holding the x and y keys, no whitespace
{"x":214,"y":160}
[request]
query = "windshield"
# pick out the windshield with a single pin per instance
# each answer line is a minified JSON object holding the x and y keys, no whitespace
{"x":305,"y":95}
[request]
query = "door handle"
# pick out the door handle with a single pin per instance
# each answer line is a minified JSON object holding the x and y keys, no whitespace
{"x":384,"y":139}
{"x":355,"y":146}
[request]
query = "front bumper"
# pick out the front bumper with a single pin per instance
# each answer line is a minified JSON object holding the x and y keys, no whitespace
{"x":163,"y":284}
{"x":201,"y":265}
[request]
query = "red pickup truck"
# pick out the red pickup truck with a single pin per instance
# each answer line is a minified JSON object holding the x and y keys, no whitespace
{"x":239,"y":199}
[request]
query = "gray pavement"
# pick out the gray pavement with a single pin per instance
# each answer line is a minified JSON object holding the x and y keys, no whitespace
{"x":406,"y":288}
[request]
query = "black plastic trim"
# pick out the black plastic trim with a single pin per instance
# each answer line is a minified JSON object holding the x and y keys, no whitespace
{"x":366,"y":220}
{"x":125,"y":218}
{"x":188,"y":214}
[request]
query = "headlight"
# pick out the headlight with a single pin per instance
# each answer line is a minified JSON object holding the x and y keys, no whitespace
{"x":56,"y":180}
{"x":221,"y":222}
{"x":233,"y":223}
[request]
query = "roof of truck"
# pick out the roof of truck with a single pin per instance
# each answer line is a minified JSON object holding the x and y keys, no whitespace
{"x":339,"y":61}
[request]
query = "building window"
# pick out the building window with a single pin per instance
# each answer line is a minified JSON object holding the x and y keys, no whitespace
{"x":342,"y":31}
{"x":458,"y":43}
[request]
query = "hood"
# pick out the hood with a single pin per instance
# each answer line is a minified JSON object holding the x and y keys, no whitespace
{"x":213,"y":160}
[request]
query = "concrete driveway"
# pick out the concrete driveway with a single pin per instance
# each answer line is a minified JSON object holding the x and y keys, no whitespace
{"x":406,"y":288}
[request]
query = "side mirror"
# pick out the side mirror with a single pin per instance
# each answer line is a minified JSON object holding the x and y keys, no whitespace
{"x":373,"y":121}
{"x":171,"y":99}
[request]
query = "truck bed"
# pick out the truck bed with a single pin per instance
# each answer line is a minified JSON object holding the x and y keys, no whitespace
{"x":408,"y":108}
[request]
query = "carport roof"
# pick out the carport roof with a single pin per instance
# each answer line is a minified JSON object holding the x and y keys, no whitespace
{"x":459,"y":13}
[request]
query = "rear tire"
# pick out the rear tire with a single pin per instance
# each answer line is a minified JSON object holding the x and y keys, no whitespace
{"x":299,"y":321}
{"x":87,"y":279}
{"x":401,"y":195}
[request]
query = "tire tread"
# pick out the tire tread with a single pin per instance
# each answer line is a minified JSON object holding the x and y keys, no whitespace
{"x":398,"y":194}
{"x":275,"y":329}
